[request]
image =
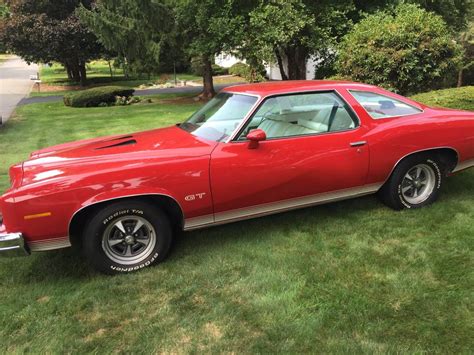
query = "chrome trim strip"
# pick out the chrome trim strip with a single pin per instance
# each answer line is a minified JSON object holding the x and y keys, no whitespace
{"x":198,"y":222}
{"x":255,"y":106}
{"x":49,"y":244}
{"x":464,"y":165}
{"x":285,"y":205}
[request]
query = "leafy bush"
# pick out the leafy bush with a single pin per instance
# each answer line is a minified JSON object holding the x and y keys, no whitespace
{"x":240,"y":69}
{"x":408,"y":51}
{"x":218,"y":70}
{"x":96,"y":96}
{"x":249,"y":73}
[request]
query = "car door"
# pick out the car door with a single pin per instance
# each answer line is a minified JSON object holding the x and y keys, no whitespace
{"x":315,"y":151}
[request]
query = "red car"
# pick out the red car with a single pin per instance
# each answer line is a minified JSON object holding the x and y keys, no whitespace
{"x":251,"y":151}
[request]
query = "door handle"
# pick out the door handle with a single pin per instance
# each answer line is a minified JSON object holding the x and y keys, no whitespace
{"x":358,"y":144}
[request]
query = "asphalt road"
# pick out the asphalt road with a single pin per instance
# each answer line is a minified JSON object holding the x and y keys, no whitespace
{"x":15,"y":84}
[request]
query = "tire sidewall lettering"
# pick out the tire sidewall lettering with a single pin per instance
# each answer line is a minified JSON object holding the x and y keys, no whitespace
{"x":135,"y":267}
{"x":122,"y":213}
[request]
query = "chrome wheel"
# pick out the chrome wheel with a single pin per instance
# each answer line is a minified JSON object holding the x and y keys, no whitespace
{"x":129,"y":240}
{"x":418,"y":184}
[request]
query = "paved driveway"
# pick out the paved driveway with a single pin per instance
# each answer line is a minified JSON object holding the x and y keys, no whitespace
{"x":15,"y":84}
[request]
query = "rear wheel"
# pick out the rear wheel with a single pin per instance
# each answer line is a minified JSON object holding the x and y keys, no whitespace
{"x":127,"y":236}
{"x":415,"y":183}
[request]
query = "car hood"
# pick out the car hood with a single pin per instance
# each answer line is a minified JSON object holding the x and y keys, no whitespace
{"x":166,"y":143}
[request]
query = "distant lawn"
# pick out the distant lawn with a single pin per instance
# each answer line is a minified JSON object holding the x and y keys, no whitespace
{"x":98,"y":73}
{"x":348,"y":277}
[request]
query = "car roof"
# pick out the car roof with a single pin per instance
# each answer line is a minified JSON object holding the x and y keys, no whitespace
{"x":291,"y":86}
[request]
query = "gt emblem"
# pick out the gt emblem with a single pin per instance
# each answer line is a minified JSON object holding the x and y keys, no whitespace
{"x":198,"y":196}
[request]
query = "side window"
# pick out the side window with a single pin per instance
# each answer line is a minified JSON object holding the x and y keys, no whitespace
{"x":302,"y":114}
{"x":380,"y":106}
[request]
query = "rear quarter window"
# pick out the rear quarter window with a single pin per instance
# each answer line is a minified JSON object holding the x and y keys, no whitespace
{"x":380,"y":106}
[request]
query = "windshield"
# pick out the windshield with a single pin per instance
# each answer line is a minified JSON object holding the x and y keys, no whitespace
{"x":219,"y":117}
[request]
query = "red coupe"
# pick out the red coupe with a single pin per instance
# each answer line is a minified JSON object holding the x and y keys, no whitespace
{"x":251,"y":151}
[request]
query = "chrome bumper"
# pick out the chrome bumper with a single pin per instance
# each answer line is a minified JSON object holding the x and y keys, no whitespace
{"x":13,"y":244}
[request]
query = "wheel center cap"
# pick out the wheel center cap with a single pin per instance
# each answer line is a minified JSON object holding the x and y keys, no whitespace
{"x":129,"y":240}
{"x":417,"y":183}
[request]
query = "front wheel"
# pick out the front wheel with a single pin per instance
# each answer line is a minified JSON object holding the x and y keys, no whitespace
{"x":415,"y":183}
{"x":127,"y":236}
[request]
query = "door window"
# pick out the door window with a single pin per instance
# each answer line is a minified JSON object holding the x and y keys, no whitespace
{"x":302,"y":114}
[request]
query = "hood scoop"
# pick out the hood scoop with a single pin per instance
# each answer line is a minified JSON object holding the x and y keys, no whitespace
{"x":120,"y":138}
{"x":120,"y":144}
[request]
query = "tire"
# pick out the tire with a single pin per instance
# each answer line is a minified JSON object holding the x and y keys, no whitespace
{"x":415,"y":183}
{"x":127,"y":236}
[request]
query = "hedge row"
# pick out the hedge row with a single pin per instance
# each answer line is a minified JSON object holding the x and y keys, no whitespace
{"x":97,"y":96}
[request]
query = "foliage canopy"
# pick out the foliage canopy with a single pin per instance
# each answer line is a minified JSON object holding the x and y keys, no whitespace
{"x":408,"y":51}
{"x":46,"y":31}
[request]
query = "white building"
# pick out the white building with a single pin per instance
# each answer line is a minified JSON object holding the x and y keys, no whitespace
{"x":273,"y":72}
{"x":227,"y":60}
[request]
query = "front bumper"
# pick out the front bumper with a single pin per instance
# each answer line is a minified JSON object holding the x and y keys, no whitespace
{"x":13,"y":244}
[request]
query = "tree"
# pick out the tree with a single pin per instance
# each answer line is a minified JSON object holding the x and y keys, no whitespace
{"x":210,"y":27}
{"x":136,"y":30}
{"x":409,"y":50}
{"x":466,"y":72}
{"x":46,"y":31}
{"x":454,"y":12}
{"x":288,"y":32}
{"x":4,"y":14}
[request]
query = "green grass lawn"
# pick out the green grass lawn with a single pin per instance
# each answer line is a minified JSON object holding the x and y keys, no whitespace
{"x":98,"y":73}
{"x":347,"y":277}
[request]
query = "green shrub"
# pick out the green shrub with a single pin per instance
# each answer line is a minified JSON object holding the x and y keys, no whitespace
{"x":240,"y":69}
{"x":218,"y":70}
{"x":409,"y":51}
{"x":96,"y":96}
{"x":249,"y":73}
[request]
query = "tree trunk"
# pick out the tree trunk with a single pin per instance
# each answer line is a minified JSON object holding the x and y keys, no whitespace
{"x":460,"y":77}
{"x":110,"y":69}
{"x":75,"y":74}
{"x":208,"y":91}
{"x":291,"y":58}
{"x":68,"y":71}
{"x":280,"y":64}
{"x":297,"y":58}
{"x":83,"y":74}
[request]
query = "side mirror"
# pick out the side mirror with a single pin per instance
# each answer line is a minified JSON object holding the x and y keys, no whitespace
{"x":256,"y":136}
